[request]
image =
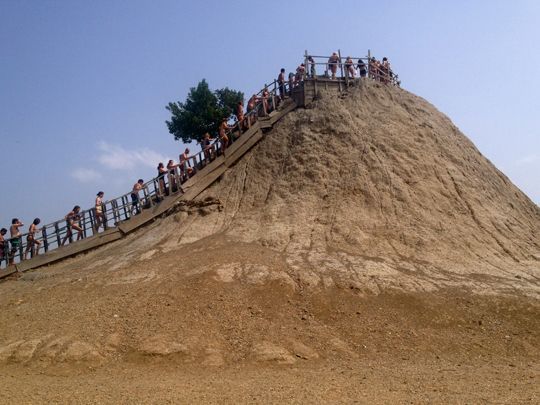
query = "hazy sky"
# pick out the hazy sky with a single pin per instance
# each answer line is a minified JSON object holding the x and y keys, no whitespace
{"x":83,"y":84}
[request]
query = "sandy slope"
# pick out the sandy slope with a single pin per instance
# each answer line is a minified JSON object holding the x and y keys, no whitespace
{"x":364,"y":250}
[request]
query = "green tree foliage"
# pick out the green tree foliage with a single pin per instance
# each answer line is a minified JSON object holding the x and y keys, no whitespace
{"x":202,"y":111}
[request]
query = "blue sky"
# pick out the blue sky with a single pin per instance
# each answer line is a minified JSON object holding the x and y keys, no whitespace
{"x":83,"y":85}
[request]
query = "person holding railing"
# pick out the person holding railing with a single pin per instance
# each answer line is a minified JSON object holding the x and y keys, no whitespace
{"x":15,"y":239}
{"x":265,"y":95}
{"x":333,"y":62}
{"x":186,"y":171}
{"x":162,"y":172}
{"x":223,"y":138}
{"x":135,"y":199}
{"x":300,"y":71}
{"x":98,"y":212}
{"x":73,"y":219}
{"x":206,"y":145}
{"x":281,"y":84}
{"x":32,"y":244}
{"x":171,"y":167}
{"x":385,"y":70}
{"x":349,"y":68}
{"x":240,"y":116}
{"x":3,"y":246}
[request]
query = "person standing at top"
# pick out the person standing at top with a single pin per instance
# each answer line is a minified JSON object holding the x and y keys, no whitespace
{"x":3,"y":246}
{"x":135,"y":199}
{"x":361,"y":68}
{"x":349,"y":67}
{"x":31,"y":240}
{"x":15,"y":239}
{"x":333,"y":64}
{"x":98,"y":211}
{"x":385,"y":70}
{"x":73,"y":219}
{"x":311,"y":64}
{"x":281,"y":84}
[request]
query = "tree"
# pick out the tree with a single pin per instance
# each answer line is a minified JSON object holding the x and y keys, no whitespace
{"x":202,"y":111}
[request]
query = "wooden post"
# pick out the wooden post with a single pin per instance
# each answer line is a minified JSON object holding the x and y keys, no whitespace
{"x":105,"y":219}
{"x":92,"y":220}
{"x":305,"y":65}
{"x":45,"y":241}
{"x":369,"y":63}
{"x":57,"y":232}
{"x":125,"y":204}
{"x":340,"y":68}
{"x":83,"y":223}
{"x":116,"y":214}
{"x":146,"y":197}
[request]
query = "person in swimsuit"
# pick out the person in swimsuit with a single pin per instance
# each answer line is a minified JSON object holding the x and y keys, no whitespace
{"x":162,"y":172}
{"x":333,"y":64}
{"x":240,"y":116}
{"x":135,"y":200}
{"x":361,"y":68}
{"x":15,"y":239}
{"x":385,"y":70}
{"x":73,"y":219}
{"x":98,"y":210}
{"x":171,"y":168}
{"x":252,"y":103}
{"x":185,"y":165}
{"x":32,"y":244}
{"x":349,"y":68}
{"x":3,"y":246}
{"x":300,"y":71}
{"x":223,"y":138}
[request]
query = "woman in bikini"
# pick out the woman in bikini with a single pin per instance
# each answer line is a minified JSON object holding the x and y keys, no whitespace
{"x":185,"y":165}
{"x":31,"y":241}
{"x":223,"y":138}
{"x":98,"y":209}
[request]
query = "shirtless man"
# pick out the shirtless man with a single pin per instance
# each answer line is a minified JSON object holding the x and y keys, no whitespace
{"x":333,"y":64}
{"x":223,"y":138}
{"x":3,"y":246}
{"x":135,"y":200}
{"x":15,"y":238}
{"x":185,"y":164}
{"x":98,"y":210}
{"x":73,"y":220}
{"x":31,"y":240}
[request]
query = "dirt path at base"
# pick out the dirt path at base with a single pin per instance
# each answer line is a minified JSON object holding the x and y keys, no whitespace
{"x":360,"y":381}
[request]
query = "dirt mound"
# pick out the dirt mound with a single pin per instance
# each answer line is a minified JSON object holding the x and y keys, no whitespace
{"x":360,"y":230}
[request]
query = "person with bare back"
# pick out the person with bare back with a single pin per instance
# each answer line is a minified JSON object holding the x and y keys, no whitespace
{"x":333,"y":62}
{"x":223,"y":130}
{"x":135,"y":199}
{"x":186,"y":171}
{"x":240,"y":116}
{"x":73,"y":219}
{"x":32,"y":244}
{"x":349,"y":68}
{"x":3,"y":246}
{"x":15,"y":239}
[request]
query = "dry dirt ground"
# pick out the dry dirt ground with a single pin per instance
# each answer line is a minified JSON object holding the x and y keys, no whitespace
{"x":364,"y":251}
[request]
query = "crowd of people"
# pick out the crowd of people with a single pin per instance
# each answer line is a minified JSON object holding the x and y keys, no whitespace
{"x":258,"y":105}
